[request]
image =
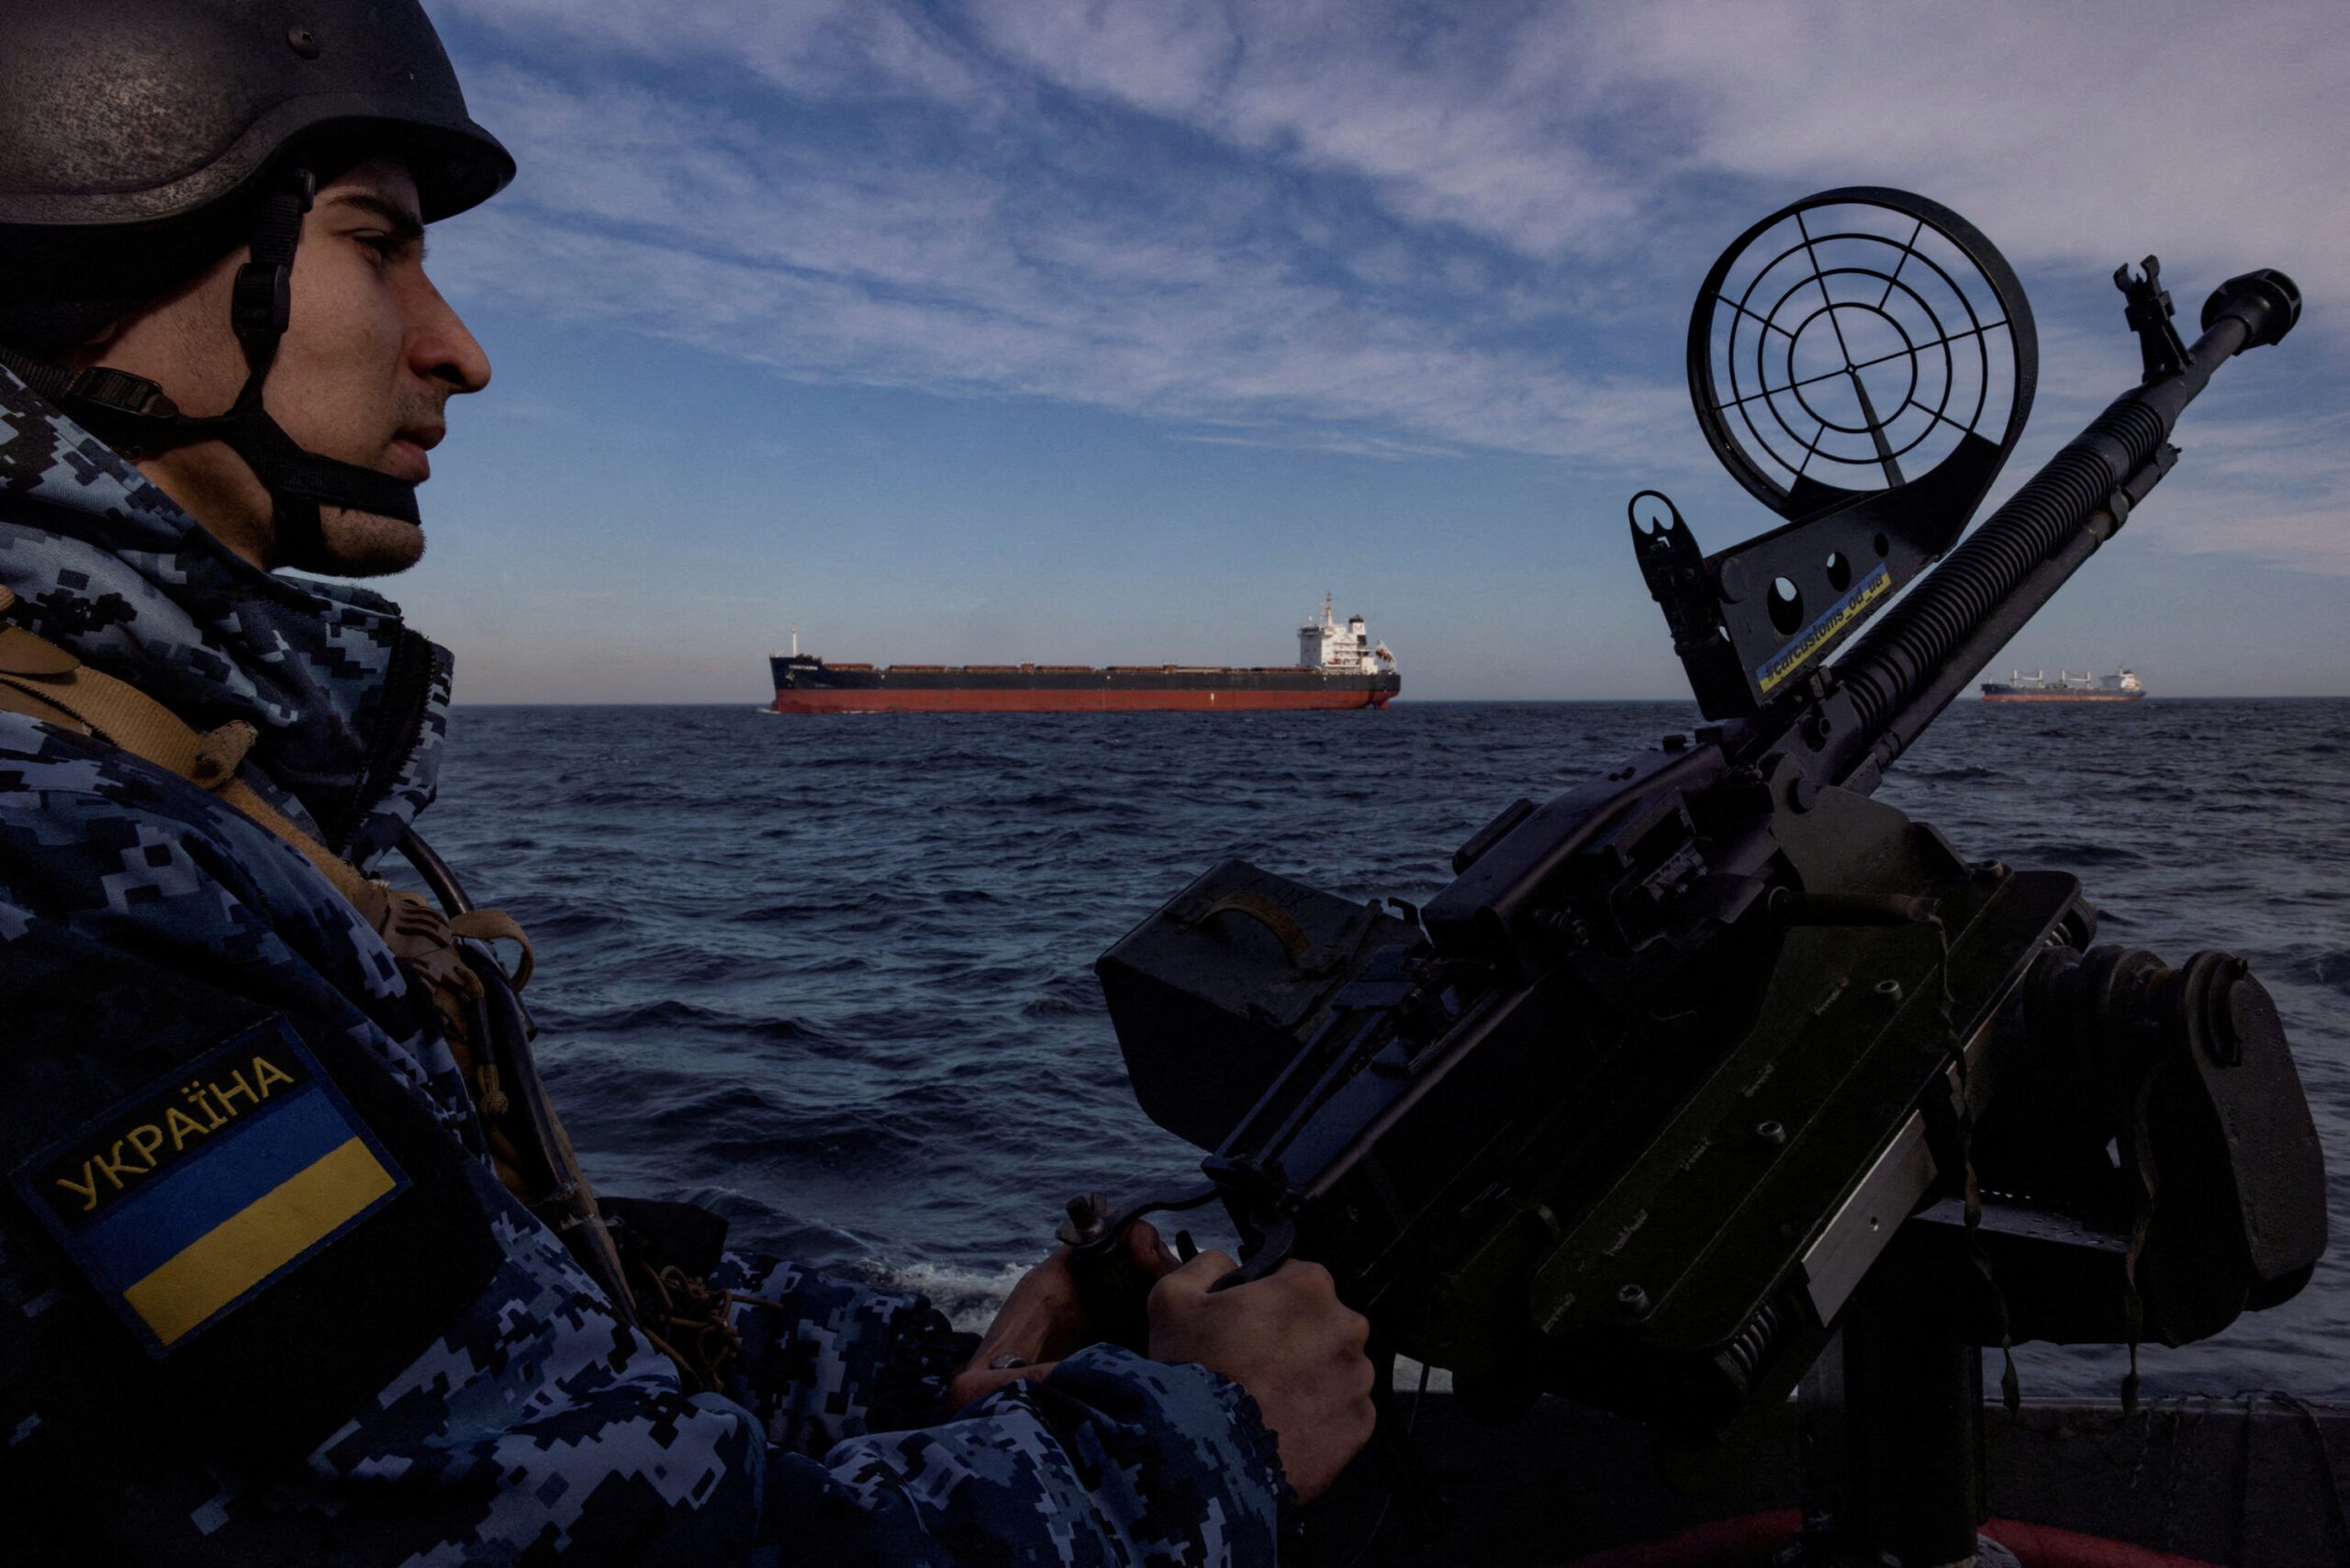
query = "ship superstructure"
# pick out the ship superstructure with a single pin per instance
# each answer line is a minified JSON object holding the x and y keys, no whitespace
{"x":1337,"y":665}
{"x":1326,"y":646}
{"x":2119,"y":686}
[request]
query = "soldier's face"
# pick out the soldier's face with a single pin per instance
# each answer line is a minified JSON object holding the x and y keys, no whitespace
{"x":364,"y":374}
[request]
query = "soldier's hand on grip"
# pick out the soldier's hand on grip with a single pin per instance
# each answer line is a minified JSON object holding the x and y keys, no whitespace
{"x":1287,"y":1340}
{"x":1044,"y":1319}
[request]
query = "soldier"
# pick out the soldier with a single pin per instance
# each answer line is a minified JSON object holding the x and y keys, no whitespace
{"x":294,"y":1262}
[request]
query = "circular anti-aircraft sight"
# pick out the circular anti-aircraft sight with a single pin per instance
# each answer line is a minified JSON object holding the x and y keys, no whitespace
{"x":1855,"y":340}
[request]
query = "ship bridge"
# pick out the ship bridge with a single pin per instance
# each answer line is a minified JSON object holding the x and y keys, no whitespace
{"x":1335,"y":649}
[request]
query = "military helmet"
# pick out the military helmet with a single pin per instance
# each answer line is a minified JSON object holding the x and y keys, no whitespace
{"x":144,"y":111}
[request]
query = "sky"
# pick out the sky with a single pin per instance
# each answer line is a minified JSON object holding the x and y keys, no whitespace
{"x":1124,"y":331}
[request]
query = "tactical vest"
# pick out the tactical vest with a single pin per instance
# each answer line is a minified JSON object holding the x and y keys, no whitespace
{"x":444,"y":952}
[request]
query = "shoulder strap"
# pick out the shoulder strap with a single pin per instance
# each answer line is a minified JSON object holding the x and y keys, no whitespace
{"x":47,"y":681}
{"x":39,"y":678}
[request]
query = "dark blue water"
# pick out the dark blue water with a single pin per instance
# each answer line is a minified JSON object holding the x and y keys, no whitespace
{"x":832,"y":976}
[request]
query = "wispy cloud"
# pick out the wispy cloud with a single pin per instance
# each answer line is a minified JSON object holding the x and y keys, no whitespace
{"x":2254,"y":489}
{"x":957,"y":276}
{"x":1366,"y":227}
{"x":1492,"y":117}
{"x":821,"y":49}
{"x":1344,"y":445}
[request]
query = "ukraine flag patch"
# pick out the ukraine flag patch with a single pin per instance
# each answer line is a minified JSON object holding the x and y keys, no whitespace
{"x":184,"y":1201}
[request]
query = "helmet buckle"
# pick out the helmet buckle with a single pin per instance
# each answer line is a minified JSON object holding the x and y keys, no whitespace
{"x":118,"y":391}
{"x":263,"y":303}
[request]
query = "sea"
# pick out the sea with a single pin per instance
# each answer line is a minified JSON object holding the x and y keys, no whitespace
{"x":832,"y":976}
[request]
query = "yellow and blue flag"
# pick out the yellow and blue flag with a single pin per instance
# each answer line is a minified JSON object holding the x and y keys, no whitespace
{"x":187,"y":1198}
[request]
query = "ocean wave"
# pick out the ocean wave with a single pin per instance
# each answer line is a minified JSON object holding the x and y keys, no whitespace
{"x":569,"y":924}
{"x":1963,"y":774}
{"x":969,"y":1297}
{"x":668,"y":1016}
{"x":2074,"y":855}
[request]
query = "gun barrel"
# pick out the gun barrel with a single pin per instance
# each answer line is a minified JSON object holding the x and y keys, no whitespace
{"x":1922,"y":655}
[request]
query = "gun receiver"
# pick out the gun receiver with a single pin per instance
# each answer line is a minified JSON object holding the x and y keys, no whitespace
{"x":1633,"y":1107}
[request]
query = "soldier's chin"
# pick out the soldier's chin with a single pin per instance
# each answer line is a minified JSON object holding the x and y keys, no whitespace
{"x":365,"y":545}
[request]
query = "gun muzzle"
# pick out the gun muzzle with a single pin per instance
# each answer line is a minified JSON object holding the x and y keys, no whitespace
{"x":2266,"y":302}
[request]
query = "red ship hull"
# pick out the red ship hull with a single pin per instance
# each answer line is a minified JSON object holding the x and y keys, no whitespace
{"x":2063,"y":696}
{"x":998,"y":700}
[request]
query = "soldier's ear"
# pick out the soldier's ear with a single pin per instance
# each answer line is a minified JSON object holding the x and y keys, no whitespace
{"x":185,"y":322}
{"x":76,"y":334}
{"x":93,"y":349}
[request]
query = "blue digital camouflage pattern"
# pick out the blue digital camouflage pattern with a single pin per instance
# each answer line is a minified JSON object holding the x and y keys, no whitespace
{"x":537,"y":1428}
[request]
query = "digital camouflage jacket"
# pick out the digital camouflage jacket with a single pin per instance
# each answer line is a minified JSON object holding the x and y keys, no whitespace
{"x":261,"y":1298}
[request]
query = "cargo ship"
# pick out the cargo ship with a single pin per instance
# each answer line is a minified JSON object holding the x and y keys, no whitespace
{"x":1337,"y":666}
{"x":2121,"y":687}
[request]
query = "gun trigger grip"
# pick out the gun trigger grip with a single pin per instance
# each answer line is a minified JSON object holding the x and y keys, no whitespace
{"x":1278,"y":1239}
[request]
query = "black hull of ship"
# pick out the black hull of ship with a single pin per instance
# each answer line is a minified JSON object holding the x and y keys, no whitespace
{"x":810,"y":686}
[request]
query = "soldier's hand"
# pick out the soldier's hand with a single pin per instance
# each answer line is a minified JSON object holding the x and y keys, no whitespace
{"x":1287,"y":1340}
{"x":1044,"y":1319}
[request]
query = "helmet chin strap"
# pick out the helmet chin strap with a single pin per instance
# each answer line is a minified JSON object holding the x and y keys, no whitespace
{"x":137,"y":415}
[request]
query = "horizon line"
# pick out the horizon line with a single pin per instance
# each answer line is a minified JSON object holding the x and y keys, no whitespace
{"x":1394,"y":703}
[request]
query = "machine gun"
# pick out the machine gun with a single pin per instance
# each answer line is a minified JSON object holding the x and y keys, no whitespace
{"x":1687,"y":1061}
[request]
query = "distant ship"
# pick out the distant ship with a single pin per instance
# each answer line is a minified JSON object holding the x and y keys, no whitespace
{"x":2121,"y":687}
{"x":1337,"y":666}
